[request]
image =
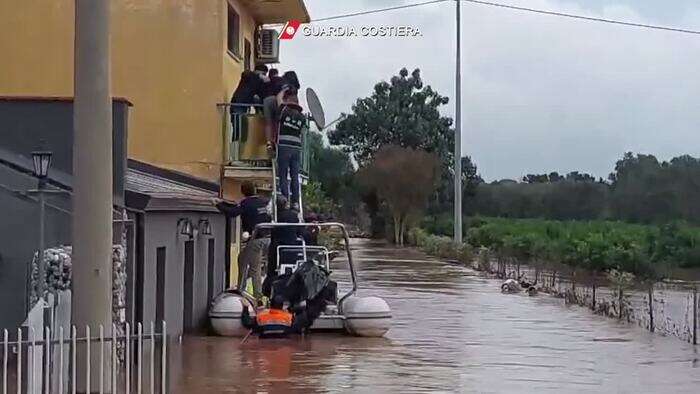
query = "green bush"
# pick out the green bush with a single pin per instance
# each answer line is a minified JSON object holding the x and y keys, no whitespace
{"x":645,"y":251}
{"x":440,"y":246}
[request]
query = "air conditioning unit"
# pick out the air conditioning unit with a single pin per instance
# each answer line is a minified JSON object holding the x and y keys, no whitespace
{"x":268,"y":48}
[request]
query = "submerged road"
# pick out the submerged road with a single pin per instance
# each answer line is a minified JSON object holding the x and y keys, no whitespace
{"x":452,"y":332}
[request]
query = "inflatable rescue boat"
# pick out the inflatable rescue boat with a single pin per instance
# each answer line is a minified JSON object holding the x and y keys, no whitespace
{"x":349,"y":313}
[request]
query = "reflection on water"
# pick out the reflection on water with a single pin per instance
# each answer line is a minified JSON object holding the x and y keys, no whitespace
{"x":452,"y":332}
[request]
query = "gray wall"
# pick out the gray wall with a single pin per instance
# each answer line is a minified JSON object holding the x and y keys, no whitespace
{"x":24,"y":126}
{"x":161,"y":231}
{"x":19,"y":238}
{"x":28,"y":125}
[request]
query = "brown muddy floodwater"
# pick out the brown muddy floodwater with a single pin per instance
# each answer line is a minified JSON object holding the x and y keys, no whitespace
{"x":452,"y":332}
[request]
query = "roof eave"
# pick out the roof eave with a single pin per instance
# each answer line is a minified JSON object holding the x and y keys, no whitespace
{"x":270,"y":13}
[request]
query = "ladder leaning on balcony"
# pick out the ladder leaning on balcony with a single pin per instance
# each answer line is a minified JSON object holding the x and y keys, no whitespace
{"x":275,"y":192}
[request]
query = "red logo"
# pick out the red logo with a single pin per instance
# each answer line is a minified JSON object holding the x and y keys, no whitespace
{"x":290,"y":29}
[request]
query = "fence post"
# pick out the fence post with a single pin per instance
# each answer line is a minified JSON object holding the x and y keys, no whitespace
{"x":113,"y":374}
{"x":127,"y":378}
{"x":47,"y":357}
{"x":74,"y":359}
{"x":102,"y":359}
{"x":31,"y":383}
{"x":695,"y":315}
{"x":88,"y":387}
{"x":4,"y":360}
{"x":593,"y":302}
{"x":153,"y":351}
{"x":19,"y":361}
{"x":60,"y":356}
{"x":651,"y":307}
{"x":164,"y":359}
{"x":139,"y":359}
{"x":619,"y":302}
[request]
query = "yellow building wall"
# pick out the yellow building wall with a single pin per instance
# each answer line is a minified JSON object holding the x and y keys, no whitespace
{"x":165,"y":61}
{"x":169,"y":58}
{"x":36,"y":45}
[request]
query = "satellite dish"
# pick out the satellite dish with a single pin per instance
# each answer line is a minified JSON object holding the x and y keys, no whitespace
{"x":314,"y":105}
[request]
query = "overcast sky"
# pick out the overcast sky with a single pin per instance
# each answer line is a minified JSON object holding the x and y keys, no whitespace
{"x":540,"y":93}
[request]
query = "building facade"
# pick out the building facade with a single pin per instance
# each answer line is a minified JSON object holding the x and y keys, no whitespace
{"x":174,"y":59}
{"x":178,"y":62}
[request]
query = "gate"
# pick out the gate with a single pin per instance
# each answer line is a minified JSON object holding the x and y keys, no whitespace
{"x":49,"y":362}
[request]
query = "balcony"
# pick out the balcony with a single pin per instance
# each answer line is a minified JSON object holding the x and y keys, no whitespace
{"x":245,"y":146}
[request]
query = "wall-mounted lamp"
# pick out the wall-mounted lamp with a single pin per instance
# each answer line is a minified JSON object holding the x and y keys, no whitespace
{"x":185,"y":228}
{"x":42,"y":162}
{"x":205,"y":228}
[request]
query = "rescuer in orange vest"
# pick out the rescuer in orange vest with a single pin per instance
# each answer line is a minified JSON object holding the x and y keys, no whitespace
{"x":273,"y":321}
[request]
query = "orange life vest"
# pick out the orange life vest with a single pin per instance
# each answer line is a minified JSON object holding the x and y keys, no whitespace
{"x":274,"y":317}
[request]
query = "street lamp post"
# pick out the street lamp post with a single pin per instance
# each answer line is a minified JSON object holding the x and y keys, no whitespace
{"x":42,"y":163}
{"x":458,"y":133}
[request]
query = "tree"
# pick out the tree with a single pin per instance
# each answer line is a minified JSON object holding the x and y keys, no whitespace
{"x":402,"y":112}
{"x":404,"y":179}
{"x":332,"y":173}
{"x":329,"y":166}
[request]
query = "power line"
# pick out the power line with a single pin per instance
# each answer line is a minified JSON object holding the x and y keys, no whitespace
{"x":516,"y":8}
{"x":379,"y":10}
{"x":587,"y":18}
{"x":369,"y":12}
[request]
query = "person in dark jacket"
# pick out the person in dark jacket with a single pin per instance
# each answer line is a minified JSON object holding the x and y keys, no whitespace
{"x":292,"y":125}
{"x":247,"y":92}
{"x":274,"y":84}
{"x":253,"y":211}
{"x":290,"y":78}
{"x":311,"y":233}
{"x":271,"y":105}
{"x":249,"y":87}
{"x":280,"y":236}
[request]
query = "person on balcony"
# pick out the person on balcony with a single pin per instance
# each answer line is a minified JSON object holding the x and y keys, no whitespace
{"x":273,"y":85}
{"x":248,"y":92}
{"x":253,"y":211}
{"x":271,"y":105}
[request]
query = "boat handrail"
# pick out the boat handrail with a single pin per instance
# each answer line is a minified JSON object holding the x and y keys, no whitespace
{"x":304,"y":248}
{"x":255,"y":105}
{"x":346,"y":237}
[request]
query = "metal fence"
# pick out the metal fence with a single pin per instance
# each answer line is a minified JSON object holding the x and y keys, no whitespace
{"x":60,"y":362}
{"x":669,"y":307}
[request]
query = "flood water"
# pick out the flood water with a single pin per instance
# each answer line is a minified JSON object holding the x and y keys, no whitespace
{"x":453,"y":331}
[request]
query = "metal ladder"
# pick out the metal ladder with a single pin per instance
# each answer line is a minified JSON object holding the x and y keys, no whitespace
{"x":273,"y":162}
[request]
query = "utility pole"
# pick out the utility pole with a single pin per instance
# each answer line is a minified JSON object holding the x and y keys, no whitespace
{"x":92,"y":182}
{"x":458,"y":131}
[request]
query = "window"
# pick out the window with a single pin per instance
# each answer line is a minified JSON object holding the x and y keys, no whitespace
{"x":247,"y":55}
{"x":234,"y":31}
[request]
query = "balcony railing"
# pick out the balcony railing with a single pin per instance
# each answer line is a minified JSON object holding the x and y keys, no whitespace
{"x":244,"y":140}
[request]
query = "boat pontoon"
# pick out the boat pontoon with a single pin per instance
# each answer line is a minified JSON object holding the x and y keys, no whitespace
{"x":360,"y":316}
